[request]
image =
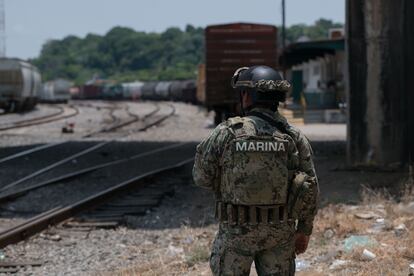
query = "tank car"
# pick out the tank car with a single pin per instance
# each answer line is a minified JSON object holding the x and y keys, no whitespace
{"x":56,"y":91}
{"x":148,"y":91}
{"x":132,"y":90}
{"x":20,"y":85}
{"x":183,"y":91}
{"x":162,"y":90}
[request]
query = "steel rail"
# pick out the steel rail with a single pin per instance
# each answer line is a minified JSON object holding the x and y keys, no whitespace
{"x":57,"y":215}
{"x":41,"y":122}
{"x":79,"y":154}
{"x":159,"y":121}
{"x":46,"y":146}
{"x":60,"y":111}
{"x":27,"y":152}
{"x":68,"y":176}
{"x":54,"y":165}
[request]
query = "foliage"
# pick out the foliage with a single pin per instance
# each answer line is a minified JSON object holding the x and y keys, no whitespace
{"x":124,"y":54}
{"x":317,"y":31}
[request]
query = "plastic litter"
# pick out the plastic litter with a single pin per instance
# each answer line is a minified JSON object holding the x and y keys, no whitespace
{"x":329,"y":233}
{"x":358,"y":241}
{"x":301,"y":265}
{"x":366,"y":215}
{"x":174,"y":251}
{"x":338,"y":264}
{"x":400,"y":230}
{"x":411,"y":270}
{"x":328,"y":257}
{"x":367,"y":255}
{"x":378,"y":226}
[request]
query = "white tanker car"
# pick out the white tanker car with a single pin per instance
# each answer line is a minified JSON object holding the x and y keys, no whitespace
{"x":56,"y":91}
{"x":20,"y":85}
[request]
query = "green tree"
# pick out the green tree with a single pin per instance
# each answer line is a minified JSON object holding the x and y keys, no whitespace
{"x":124,"y":54}
{"x":318,"y":31}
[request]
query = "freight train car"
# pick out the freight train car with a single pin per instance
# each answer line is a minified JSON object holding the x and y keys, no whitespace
{"x":229,"y":47}
{"x":56,"y":91}
{"x":20,"y":85}
{"x":162,"y":91}
{"x":184,"y":91}
{"x":148,"y":90}
{"x":112,"y":91}
{"x":132,"y":90}
{"x":90,"y":92}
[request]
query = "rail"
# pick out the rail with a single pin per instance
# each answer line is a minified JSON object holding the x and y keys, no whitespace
{"x":59,"y":214}
{"x":79,"y":154}
{"x":44,"y":120}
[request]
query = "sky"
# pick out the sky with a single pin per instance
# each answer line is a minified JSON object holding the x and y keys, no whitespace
{"x":30,"y":23}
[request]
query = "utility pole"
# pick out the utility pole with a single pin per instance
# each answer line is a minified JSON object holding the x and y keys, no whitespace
{"x":283,"y":36}
{"x":2,"y":29}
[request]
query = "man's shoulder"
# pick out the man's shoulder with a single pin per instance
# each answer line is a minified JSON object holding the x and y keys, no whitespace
{"x":295,"y":132}
{"x":222,"y":131}
{"x":297,"y":135}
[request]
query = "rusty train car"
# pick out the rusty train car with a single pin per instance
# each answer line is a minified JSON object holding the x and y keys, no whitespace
{"x":229,"y":47}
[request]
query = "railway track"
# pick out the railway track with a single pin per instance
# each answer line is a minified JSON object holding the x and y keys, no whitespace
{"x":173,"y":157}
{"x":59,"y":115}
{"x":113,"y":127}
{"x":83,"y":152}
{"x":57,"y":214}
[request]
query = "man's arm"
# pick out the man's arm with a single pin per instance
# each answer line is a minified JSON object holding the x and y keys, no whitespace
{"x":207,"y":160}
{"x":306,"y":165}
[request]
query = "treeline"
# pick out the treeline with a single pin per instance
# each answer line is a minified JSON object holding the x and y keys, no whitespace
{"x":124,"y":54}
{"x":319,"y":30}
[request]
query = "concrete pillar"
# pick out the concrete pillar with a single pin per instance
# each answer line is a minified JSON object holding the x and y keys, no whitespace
{"x":380,"y":82}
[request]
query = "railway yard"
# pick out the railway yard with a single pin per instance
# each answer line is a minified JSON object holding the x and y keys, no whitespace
{"x":105,"y":188}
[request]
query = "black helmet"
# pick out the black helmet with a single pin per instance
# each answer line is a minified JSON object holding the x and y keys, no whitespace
{"x":264,"y":83}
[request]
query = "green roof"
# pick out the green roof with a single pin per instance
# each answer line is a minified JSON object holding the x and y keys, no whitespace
{"x":300,"y":52}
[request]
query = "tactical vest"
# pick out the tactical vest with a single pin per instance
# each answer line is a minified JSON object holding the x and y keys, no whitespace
{"x":254,"y":165}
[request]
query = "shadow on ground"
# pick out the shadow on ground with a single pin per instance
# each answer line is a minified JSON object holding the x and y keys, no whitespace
{"x":185,"y":204}
{"x":193,"y":206}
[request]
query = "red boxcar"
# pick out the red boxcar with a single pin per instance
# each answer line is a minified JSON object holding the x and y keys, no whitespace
{"x":229,"y":47}
{"x":90,"y":91}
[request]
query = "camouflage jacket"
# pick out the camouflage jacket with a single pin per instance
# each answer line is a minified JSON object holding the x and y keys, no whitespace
{"x":206,"y":171}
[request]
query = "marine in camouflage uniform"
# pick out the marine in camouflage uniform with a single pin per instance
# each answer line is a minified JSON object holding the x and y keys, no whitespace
{"x":250,"y":163}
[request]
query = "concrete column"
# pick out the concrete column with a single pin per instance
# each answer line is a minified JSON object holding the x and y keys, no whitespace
{"x":379,"y":50}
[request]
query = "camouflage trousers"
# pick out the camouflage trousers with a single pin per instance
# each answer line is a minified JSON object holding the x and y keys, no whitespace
{"x":271,"y":248}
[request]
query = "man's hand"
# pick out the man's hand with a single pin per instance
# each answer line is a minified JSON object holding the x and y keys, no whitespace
{"x":301,"y":243}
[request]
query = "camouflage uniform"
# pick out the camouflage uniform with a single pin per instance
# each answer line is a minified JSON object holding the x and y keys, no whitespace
{"x":270,"y":246}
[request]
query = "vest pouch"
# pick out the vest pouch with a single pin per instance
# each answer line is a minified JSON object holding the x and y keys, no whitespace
{"x":301,"y":191}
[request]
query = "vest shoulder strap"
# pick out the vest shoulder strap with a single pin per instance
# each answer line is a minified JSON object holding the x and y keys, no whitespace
{"x":279,"y":125}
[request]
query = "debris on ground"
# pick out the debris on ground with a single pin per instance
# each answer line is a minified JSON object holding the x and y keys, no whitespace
{"x":367,"y":255}
{"x":344,"y":242}
{"x":301,"y":265}
{"x":68,"y":128}
{"x":354,"y":241}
